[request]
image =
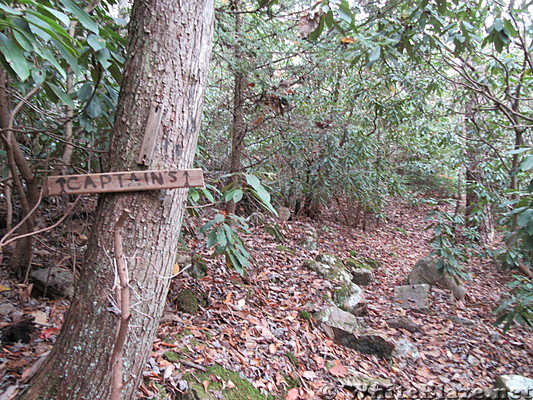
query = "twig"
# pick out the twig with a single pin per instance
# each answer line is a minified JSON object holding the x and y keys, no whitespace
{"x":3,"y":241}
{"x":44,"y":229}
{"x":124,"y":303}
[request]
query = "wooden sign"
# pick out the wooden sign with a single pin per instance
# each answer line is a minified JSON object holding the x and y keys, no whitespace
{"x":128,"y":181}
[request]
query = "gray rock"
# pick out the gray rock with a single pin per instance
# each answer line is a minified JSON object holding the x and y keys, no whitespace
{"x":53,"y":281}
{"x":334,"y":319}
{"x":350,"y":298}
{"x":332,"y":272}
{"x":309,"y":240}
{"x":362,"y":276}
{"x":256,"y":219}
{"x":328,"y":259}
{"x":516,"y":386}
{"x":494,"y":337}
{"x":405,"y":349}
{"x":372,"y":343}
{"x":425,"y":271}
{"x":404,"y":323}
{"x":414,"y":297}
{"x":6,"y":309}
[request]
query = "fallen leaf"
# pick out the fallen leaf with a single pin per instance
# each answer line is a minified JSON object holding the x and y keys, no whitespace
{"x":205,"y":384}
{"x":292,"y":394}
{"x":339,"y":370}
{"x":48,"y":333}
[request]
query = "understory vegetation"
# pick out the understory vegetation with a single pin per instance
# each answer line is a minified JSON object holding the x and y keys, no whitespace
{"x":338,"y":106}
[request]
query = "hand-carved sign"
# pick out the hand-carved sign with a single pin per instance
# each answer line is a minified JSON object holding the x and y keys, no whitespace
{"x":127,"y":181}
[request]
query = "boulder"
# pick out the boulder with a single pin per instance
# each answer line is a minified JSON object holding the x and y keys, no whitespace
{"x":405,"y":323}
{"x":516,"y":386}
{"x":350,"y":298}
{"x":414,"y":297}
{"x":334,"y":317}
{"x":187,"y":302}
{"x":328,"y":270}
{"x":372,"y":343}
{"x":53,"y":281}
{"x":425,"y":271}
{"x":362,"y":276}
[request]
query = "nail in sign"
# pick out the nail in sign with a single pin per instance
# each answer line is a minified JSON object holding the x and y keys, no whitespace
{"x":128,"y":181}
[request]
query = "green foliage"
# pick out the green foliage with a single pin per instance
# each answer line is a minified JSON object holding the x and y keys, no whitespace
{"x":449,"y":244}
{"x":223,"y":234}
{"x":71,"y":60}
{"x":223,"y":230}
{"x":518,"y":309}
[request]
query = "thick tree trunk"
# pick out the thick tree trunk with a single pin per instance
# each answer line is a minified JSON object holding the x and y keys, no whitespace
{"x":169,"y":48}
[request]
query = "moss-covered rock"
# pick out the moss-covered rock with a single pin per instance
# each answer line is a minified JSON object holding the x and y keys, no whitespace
{"x":223,"y":384}
{"x":187,"y":302}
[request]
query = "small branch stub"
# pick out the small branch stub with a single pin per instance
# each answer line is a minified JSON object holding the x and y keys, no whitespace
{"x":128,"y":181}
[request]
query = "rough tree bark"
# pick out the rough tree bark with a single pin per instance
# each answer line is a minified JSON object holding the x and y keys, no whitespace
{"x":169,"y":49}
{"x":238,"y":131}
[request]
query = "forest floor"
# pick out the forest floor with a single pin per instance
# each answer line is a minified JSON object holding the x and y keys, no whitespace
{"x":255,"y":325}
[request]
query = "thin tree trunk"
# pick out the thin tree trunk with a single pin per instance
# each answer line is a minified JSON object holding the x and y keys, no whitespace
{"x":238,"y":130}
{"x":169,"y":48}
{"x":23,"y":180}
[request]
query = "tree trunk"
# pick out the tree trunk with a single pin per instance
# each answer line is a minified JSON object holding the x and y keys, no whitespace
{"x":169,"y":49}
{"x":238,"y":130}
{"x":23,"y":180}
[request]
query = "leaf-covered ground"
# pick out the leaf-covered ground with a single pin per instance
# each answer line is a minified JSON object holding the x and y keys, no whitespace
{"x":258,"y":326}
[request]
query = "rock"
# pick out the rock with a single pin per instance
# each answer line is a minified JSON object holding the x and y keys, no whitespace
{"x":53,"y":281}
{"x":338,"y":325}
{"x":309,"y":241}
{"x":362,"y":276}
{"x":516,"y":386}
{"x":404,"y":349}
{"x":198,"y":268}
{"x":284,"y":214}
{"x":256,"y":219}
{"x":358,"y":382}
{"x":335,"y":317}
{"x":414,"y":297}
{"x":461,"y":321}
{"x":494,"y":337}
{"x":6,"y":308}
{"x":328,"y":259}
{"x":425,"y":271}
{"x":335,"y":271}
{"x":187,"y":302}
{"x":350,"y":298}
{"x":372,"y":343}
{"x":404,"y":323}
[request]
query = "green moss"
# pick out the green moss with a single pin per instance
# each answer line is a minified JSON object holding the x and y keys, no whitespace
{"x":187,"y":302}
{"x":285,"y":249}
{"x":305,"y":315}
{"x":291,"y":382}
{"x":172,"y":356}
{"x":243,"y":390}
{"x":292,"y":358}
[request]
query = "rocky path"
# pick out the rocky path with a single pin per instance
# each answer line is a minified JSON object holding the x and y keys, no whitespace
{"x":262,"y":327}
